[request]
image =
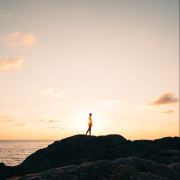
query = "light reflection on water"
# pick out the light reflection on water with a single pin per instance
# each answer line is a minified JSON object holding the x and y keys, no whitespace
{"x":13,"y":152}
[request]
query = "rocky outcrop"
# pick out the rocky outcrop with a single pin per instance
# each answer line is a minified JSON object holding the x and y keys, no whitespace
{"x":2,"y":165}
{"x":80,"y":149}
{"x":123,"y":168}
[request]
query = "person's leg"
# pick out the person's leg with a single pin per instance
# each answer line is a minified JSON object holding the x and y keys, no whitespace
{"x":90,"y":130}
{"x":87,"y":131}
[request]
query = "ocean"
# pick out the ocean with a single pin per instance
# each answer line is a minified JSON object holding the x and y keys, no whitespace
{"x":14,"y":152}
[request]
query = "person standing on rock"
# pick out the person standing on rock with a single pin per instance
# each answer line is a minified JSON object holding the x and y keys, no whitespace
{"x":89,"y":124}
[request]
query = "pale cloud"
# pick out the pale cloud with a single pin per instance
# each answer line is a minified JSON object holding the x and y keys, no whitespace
{"x":18,"y":38}
{"x":27,"y":39}
{"x":41,"y":120}
{"x":167,"y":98}
{"x":170,"y":124}
{"x":52,"y":92}
{"x":63,"y":128}
{"x":50,"y":121}
{"x":166,"y":112}
{"x":11,"y":63}
{"x":111,"y":102}
{"x":53,"y":127}
{"x":54,"y":121}
{"x":7,"y":119}
{"x":124,"y":72}
{"x":23,"y":124}
{"x":4,"y":16}
{"x":129,"y":78}
{"x":16,"y":34}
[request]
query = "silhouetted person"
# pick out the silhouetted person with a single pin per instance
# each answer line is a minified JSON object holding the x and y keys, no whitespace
{"x":89,"y":124}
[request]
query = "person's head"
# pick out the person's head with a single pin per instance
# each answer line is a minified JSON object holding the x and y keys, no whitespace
{"x":90,"y":114}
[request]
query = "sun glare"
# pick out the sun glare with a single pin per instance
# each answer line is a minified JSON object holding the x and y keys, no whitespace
{"x":81,"y":121}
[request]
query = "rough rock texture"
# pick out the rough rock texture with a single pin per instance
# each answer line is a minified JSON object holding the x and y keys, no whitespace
{"x":80,"y":149}
{"x":123,"y":168}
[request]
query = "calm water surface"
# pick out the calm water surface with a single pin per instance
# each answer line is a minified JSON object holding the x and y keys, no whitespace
{"x":13,"y":152}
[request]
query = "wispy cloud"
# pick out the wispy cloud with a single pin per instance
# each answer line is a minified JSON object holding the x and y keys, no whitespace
{"x":52,"y":92}
{"x":41,"y":120}
{"x":54,"y":127}
{"x":63,"y":128}
{"x":7,"y":119}
{"x":23,"y":124}
{"x":167,"y":112}
{"x":53,"y":121}
{"x":167,"y":98}
{"x":126,"y":76}
{"x":11,"y":63}
{"x":109,"y":102}
{"x":129,"y":78}
{"x":4,"y":16}
{"x":124,"y":72}
{"x":18,"y":38}
{"x":170,"y":124}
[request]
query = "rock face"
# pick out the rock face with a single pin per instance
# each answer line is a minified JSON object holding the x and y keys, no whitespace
{"x":80,"y":149}
{"x":2,"y":165}
{"x":119,"y":169}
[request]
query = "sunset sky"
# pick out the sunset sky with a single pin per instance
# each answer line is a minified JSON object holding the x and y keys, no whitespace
{"x":63,"y":59}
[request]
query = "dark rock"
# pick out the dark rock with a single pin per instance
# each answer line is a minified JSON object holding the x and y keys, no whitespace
{"x":169,"y":153}
{"x":80,"y":149}
{"x":159,"y":159}
{"x":2,"y":165}
{"x":8,"y":172}
{"x":123,"y":168}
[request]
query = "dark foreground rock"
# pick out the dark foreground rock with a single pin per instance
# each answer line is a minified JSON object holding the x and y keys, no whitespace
{"x":123,"y":168}
{"x":80,"y":149}
{"x":2,"y":165}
